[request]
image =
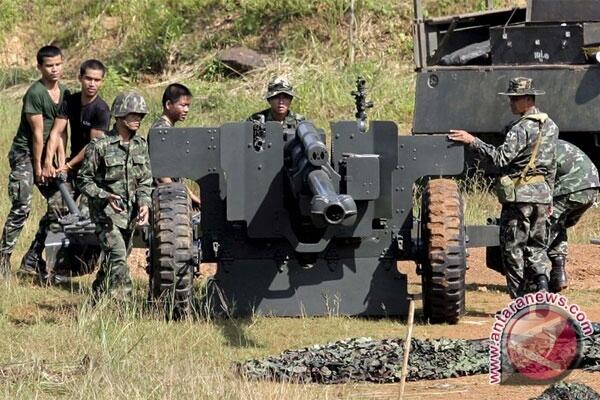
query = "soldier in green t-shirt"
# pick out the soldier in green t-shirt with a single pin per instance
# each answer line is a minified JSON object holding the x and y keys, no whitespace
{"x":40,"y":107}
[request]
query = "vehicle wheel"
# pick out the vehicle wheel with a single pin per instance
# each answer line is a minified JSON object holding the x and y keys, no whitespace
{"x":444,"y":261}
{"x":171,"y":268}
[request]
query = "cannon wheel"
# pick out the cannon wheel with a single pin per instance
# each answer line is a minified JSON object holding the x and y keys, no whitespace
{"x":444,"y":261}
{"x":171,"y":267}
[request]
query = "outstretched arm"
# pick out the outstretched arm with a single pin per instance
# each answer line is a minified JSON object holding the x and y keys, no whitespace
{"x":55,"y":146}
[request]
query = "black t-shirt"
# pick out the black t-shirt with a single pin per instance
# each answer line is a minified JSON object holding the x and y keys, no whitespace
{"x":94,"y":115}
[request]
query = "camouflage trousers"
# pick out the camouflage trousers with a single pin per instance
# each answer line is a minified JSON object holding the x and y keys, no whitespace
{"x":566,"y":212}
{"x":20,"y":191}
{"x":523,"y":240}
{"x":113,"y":276}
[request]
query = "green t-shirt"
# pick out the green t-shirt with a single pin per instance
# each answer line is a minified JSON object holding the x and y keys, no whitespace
{"x":36,"y":101}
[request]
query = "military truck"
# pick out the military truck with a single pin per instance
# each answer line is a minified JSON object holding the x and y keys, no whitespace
{"x":463,"y":61}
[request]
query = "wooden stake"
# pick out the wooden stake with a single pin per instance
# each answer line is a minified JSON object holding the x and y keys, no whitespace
{"x":411,"y":318}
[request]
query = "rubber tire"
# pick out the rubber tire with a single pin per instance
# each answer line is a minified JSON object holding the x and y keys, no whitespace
{"x":444,"y":264}
{"x":171,"y":267}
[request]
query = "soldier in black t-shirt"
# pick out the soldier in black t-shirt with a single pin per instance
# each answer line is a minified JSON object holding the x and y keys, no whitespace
{"x":88,"y":117}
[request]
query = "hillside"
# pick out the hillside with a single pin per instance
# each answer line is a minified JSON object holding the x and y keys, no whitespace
{"x":146,"y":42}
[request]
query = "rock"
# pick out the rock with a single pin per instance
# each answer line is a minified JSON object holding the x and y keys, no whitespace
{"x":241,"y":59}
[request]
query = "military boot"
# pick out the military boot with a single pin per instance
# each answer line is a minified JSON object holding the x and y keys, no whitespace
{"x":4,"y":266}
{"x":32,"y":262}
{"x":541,"y":283}
{"x":558,"y":275}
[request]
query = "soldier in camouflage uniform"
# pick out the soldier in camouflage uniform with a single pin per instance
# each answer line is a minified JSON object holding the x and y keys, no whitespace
{"x":176,"y":102}
{"x":40,"y":107}
{"x":280,"y":94}
{"x":116,"y":177}
{"x":527,"y":165}
{"x":575,"y":190}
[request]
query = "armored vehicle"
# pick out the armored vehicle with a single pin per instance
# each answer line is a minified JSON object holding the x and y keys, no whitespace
{"x":463,"y":61}
{"x":301,"y":228}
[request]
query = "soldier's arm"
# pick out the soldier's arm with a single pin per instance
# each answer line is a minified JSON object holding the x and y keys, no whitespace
{"x":55,"y":142}
{"x":87,"y":173}
{"x":504,"y":154}
{"x":36,"y":122}
{"x":78,"y":159}
{"x":144,"y":190}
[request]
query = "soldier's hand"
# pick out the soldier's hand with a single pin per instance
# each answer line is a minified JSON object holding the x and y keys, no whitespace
{"x":37,"y":175}
{"x":461,"y":136}
{"x":48,"y":172}
{"x":64,"y":168}
{"x":116,"y":202}
{"x":142,"y":218}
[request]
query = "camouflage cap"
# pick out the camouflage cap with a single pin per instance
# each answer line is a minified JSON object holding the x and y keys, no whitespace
{"x":521,"y":86}
{"x":279,"y":85}
{"x":128,"y":103}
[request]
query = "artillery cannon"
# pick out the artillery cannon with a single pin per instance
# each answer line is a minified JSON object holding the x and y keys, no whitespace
{"x":300,"y":228}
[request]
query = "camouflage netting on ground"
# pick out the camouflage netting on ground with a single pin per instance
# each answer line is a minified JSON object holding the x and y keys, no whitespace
{"x":366,"y":359}
{"x":569,"y":391}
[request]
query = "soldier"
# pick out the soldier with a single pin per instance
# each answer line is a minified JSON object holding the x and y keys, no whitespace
{"x":40,"y":107}
{"x":280,"y":94}
{"x":176,"y":103}
{"x":87,"y":115}
{"x":575,"y":190}
{"x":116,"y":178}
{"x":527,"y":164}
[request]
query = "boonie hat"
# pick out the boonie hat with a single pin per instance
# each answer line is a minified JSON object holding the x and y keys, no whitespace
{"x":521,"y":86}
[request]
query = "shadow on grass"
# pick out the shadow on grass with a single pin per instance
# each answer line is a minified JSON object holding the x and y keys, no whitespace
{"x":50,"y":311}
{"x":477,"y":287}
{"x":234,"y":331}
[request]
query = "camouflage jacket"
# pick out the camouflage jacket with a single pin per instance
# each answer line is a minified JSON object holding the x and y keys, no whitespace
{"x":574,"y":170}
{"x":290,"y":122}
{"x":512,"y":156}
{"x":161,"y":122}
{"x":122,"y":169}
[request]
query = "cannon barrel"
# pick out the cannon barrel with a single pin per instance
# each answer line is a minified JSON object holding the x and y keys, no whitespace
{"x":314,"y":148}
{"x":328,"y":207}
{"x":66,"y":195}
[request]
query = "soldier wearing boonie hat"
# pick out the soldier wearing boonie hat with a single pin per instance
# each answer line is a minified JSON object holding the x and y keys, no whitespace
{"x":279,"y":94}
{"x":527,"y":164}
{"x":116,"y":177}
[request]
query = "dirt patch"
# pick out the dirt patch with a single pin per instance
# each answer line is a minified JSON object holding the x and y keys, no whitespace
{"x":486,"y":294}
{"x":472,"y":387}
{"x":19,"y":49}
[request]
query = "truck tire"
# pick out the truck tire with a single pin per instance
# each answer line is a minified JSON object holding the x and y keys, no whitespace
{"x":444,"y":262}
{"x":171,"y":267}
